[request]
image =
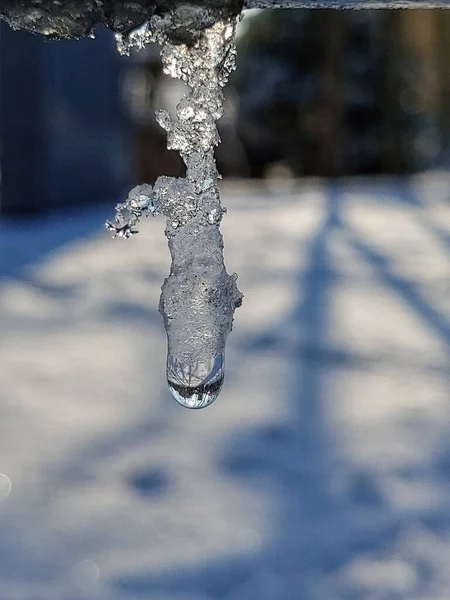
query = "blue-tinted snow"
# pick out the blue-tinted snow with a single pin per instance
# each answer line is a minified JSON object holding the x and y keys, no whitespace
{"x":322,"y":471}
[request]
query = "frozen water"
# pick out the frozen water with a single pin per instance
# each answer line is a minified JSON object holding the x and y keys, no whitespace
{"x":140,"y":200}
{"x":195,"y":385}
{"x":138,"y":39}
{"x":199,"y":297}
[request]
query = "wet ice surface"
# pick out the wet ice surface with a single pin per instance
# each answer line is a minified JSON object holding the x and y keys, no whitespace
{"x":195,"y":386}
{"x":199,"y":297}
{"x":325,"y":466}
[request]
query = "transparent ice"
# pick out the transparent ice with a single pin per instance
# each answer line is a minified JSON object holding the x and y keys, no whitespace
{"x":199,"y":297}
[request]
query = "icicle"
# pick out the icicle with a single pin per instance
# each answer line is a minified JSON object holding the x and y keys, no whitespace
{"x":199,"y":297}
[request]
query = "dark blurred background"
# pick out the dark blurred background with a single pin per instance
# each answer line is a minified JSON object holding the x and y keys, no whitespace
{"x":316,"y":93}
{"x":321,"y":93}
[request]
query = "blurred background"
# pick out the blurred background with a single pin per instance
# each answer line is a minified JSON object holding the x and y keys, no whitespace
{"x":323,"y":469}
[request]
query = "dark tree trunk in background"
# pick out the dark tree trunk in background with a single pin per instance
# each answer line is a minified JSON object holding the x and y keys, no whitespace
{"x":420,"y":99}
{"x":330,"y":94}
{"x":443,"y":57}
{"x":394,"y":154}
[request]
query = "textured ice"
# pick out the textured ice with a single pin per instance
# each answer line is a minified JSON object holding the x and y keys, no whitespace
{"x":140,"y":200}
{"x":182,"y":21}
{"x":199,"y":297}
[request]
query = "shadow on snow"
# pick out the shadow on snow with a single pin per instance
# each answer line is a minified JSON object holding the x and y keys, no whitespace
{"x":329,"y":513}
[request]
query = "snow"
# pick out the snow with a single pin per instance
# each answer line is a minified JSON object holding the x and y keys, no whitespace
{"x":321,"y":472}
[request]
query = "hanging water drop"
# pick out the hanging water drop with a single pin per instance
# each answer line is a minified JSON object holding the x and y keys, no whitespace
{"x":195,"y":385}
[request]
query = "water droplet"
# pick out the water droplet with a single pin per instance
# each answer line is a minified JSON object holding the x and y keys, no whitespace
{"x":195,"y":385}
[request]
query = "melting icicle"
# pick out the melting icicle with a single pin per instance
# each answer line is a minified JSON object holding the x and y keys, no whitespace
{"x":199,"y":297}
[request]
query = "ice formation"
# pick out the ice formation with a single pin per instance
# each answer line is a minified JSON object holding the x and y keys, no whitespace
{"x":199,"y":297}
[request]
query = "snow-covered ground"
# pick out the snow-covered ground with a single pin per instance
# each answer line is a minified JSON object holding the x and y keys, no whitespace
{"x":322,"y":472}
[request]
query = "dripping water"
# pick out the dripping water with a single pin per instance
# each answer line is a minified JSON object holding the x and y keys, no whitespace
{"x":195,"y":385}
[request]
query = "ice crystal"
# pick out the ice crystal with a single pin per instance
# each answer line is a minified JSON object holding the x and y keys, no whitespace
{"x":199,"y":297}
{"x":140,"y":200}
